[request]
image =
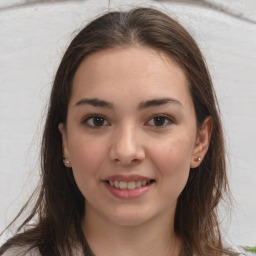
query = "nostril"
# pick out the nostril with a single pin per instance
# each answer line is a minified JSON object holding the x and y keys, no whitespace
{"x":126,"y":161}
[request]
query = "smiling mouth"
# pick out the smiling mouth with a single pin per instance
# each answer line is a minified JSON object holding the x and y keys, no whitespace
{"x":131,"y":185}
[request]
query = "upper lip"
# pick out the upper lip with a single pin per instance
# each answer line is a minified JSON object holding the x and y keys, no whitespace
{"x":127,"y":178}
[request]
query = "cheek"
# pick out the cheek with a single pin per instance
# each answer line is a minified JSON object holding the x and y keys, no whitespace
{"x":87,"y":157}
{"x":173,"y":152}
{"x":172,"y":160}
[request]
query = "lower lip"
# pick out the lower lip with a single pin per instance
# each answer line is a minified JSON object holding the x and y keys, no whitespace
{"x":128,"y":194}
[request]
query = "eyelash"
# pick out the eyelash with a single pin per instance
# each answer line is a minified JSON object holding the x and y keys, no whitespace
{"x":166,"y":118}
{"x":85,"y":121}
{"x":91,"y":117}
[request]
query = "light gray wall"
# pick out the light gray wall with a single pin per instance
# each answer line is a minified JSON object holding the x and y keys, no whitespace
{"x":32,"y":40}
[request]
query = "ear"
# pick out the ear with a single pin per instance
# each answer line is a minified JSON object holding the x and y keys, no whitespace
{"x":202,"y":142}
{"x":65,"y":150}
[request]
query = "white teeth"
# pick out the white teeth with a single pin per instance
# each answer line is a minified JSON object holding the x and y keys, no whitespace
{"x":116,"y":183}
{"x":123,"y":185}
{"x":129,"y":185}
{"x":138,"y":184}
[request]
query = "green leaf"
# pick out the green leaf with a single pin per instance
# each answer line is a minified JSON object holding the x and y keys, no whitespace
{"x":251,"y":249}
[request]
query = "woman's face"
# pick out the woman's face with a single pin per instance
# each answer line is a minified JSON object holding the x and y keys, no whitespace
{"x":131,"y":134}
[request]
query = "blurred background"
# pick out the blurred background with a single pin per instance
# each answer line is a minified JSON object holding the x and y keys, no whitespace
{"x":33,"y":37}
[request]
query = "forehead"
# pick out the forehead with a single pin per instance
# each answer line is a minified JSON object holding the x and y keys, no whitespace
{"x":134,"y":71}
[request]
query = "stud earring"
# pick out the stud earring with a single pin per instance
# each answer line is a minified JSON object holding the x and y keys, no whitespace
{"x":67,"y":163}
{"x":198,"y":159}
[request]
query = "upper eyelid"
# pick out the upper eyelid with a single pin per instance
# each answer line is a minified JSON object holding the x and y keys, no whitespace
{"x":93,"y":115}
{"x":160,"y":114}
{"x":163,"y":115}
{"x":86,"y":118}
{"x":170,"y":119}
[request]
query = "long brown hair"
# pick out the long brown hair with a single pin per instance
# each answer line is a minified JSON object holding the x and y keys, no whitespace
{"x":60,"y":206}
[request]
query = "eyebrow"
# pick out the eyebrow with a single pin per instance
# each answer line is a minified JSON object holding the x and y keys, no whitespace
{"x":158,"y":102}
{"x":95,"y":102}
{"x":144,"y":104}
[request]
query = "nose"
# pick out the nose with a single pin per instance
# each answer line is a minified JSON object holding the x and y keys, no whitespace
{"x":126,"y":147}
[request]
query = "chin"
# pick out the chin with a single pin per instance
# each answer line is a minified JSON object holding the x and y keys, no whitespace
{"x":130,"y":217}
{"x":129,"y":222}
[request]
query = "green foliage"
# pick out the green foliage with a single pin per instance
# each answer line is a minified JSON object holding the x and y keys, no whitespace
{"x":251,"y":249}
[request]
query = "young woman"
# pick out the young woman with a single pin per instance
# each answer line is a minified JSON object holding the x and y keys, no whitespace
{"x":133,"y":160}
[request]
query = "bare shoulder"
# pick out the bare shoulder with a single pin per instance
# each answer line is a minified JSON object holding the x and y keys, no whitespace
{"x":21,"y":251}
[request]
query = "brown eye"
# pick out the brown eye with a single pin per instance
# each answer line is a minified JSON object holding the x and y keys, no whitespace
{"x":160,"y":121}
{"x":95,"y":121}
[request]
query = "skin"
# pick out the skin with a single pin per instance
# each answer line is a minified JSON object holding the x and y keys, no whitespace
{"x":128,"y":141}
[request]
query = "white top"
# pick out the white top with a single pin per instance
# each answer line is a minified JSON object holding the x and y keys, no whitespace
{"x":21,"y":251}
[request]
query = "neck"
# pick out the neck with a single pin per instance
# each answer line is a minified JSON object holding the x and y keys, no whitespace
{"x":155,"y":237}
